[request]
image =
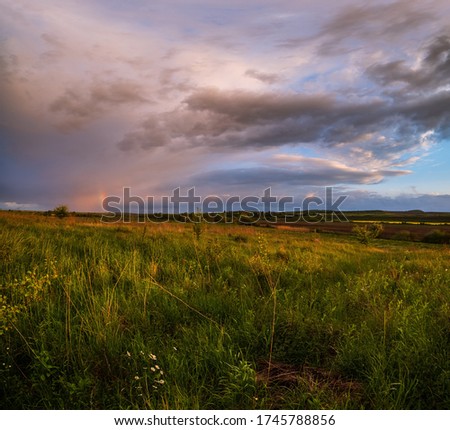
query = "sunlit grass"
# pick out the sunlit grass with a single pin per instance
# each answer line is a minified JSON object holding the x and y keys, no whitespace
{"x":242,"y":317}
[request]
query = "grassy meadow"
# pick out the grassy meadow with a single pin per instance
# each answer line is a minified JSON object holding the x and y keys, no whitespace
{"x":128,"y":316}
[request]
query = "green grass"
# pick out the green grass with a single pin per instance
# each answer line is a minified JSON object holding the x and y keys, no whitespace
{"x":97,"y":316}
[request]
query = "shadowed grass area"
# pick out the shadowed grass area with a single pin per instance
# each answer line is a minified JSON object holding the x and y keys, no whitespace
{"x":151,"y":316}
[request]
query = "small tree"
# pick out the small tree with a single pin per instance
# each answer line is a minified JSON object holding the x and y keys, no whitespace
{"x":365,"y":233}
{"x":61,"y":211}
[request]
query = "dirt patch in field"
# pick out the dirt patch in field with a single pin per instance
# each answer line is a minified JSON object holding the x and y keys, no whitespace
{"x":412,"y":232}
{"x":314,"y":380}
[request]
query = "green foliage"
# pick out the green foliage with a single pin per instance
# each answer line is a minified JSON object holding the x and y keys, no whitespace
{"x":8,"y":314}
{"x":239,"y":385}
{"x":246,"y":318}
{"x":365,"y":233}
{"x":61,"y":211}
{"x":19,"y":295}
{"x":437,"y":236}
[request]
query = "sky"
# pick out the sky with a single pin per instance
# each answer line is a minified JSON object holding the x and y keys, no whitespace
{"x":230,"y":97}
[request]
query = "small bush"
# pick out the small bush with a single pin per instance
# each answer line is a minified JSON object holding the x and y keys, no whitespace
{"x":61,"y":211}
{"x":365,"y":233}
{"x":437,"y":236}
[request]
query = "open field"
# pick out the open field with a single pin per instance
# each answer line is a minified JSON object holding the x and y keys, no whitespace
{"x":134,"y":315}
{"x":396,"y":230}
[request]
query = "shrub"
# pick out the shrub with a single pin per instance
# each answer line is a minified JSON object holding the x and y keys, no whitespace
{"x":365,"y":233}
{"x":61,"y":211}
{"x":437,"y":236}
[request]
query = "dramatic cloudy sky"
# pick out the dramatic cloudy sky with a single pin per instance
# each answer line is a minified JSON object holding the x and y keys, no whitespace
{"x":230,"y":97}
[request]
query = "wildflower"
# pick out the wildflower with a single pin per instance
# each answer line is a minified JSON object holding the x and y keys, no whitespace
{"x":152,"y":369}
{"x":136,"y":378}
{"x":152,"y":356}
{"x":128,"y":353}
{"x":156,"y":366}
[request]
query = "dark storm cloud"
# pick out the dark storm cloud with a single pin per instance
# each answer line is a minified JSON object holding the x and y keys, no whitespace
{"x":205,"y":88}
{"x":423,"y":97}
{"x":433,"y":72}
{"x":231,"y":119}
{"x":430,"y":112}
{"x":354,"y":25}
{"x":247,"y":107}
{"x":79,"y":107}
{"x":225,"y":119}
{"x":383,"y":128}
{"x":152,"y":134}
{"x":377,"y":20}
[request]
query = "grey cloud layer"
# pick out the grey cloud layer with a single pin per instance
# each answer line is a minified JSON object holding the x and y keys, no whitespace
{"x":365,"y":25}
{"x":258,"y":177}
{"x":433,"y":74}
{"x":360,"y":89}
{"x":78,"y":108}
{"x":386,"y":127}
